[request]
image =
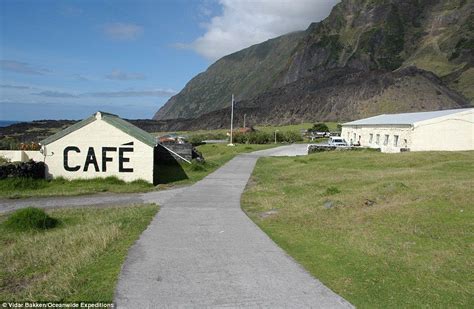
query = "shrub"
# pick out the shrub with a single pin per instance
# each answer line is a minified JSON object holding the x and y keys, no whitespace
{"x":30,"y":169}
{"x":289,"y":137}
{"x":30,"y":219}
{"x":319,"y":127}
{"x":4,"y":160}
{"x":196,"y":139}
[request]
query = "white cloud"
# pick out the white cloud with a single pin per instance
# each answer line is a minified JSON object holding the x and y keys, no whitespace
{"x":243,"y":23}
{"x":120,"y":75}
{"x":122,"y":31}
{"x":21,"y":67}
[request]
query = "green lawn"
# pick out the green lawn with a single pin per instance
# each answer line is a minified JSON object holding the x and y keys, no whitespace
{"x":79,"y":260}
{"x":382,"y":230}
{"x":25,"y":187}
{"x":215,"y":156}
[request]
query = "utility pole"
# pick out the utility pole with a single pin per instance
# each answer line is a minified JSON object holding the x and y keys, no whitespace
{"x":231,"y":121}
{"x":245,"y":115}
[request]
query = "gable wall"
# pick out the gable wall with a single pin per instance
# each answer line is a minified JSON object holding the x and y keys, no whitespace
{"x":97,"y":135}
{"x":450,"y":133}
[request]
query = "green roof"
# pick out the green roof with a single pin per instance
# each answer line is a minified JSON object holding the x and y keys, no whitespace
{"x":111,"y":119}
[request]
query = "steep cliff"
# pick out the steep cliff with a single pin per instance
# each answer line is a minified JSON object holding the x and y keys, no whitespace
{"x":357,"y":62}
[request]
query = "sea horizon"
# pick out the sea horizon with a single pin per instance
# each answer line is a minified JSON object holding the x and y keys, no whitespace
{"x":6,"y":123}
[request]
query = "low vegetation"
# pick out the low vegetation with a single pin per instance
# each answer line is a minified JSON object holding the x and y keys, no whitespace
{"x":17,"y":187}
{"x":382,"y":230}
{"x":215,"y":156}
{"x":30,"y":219}
{"x":79,"y":260}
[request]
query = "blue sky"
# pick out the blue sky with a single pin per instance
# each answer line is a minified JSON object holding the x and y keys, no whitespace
{"x":67,"y":59}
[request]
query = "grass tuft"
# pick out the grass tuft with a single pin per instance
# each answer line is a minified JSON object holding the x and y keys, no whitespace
{"x":30,"y":218}
{"x":79,"y":260}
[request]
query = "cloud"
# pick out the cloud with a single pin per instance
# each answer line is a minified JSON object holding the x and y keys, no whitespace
{"x":120,"y":75}
{"x":55,"y":94}
{"x":122,"y":31}
{"x":133,"y":93}
{"x":243,"y":23}
{"x":6,"y":86}
{"x":80,"y":77}
{"x":109,"y":94}
{"x":21,"y":67}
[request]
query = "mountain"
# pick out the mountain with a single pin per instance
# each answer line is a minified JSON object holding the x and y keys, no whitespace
{"x":367,"y":57}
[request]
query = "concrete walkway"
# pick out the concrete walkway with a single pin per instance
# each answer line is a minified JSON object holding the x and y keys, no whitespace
{"x":201,"y":250}
{"x":105,"y":199}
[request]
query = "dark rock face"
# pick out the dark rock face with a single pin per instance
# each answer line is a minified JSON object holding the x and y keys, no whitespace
{"x":355,"y":63}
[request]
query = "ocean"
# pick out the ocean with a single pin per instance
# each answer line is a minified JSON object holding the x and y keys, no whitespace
{"x":6,"y":123}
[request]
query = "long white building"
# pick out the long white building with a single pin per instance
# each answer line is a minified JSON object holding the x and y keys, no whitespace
{"x":447,"y":130}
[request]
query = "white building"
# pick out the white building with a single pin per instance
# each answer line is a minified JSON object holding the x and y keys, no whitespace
{"x":448,"y":130}
{"x":100,"y":146}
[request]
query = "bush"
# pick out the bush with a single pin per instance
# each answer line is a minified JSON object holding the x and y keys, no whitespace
{"x":4,"y":160}
{"x":196,"y":139}
{"x":319,"y":127}
{"x":289,"y":137}
{"x":30,"y":219}
{"x":30,"y":169}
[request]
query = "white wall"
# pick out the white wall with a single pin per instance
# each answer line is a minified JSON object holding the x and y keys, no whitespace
{"x":21,"y":155}
{"x":12,"y":155}
{"x":449,"y":133}
{"x":362,"y":134}
{"x":99,"y":134}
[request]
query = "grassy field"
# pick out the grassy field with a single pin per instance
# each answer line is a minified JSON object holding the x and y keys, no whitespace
{"x":293,"y":127}
{"x":25,"y":187}
{"x":78,"y":260}
{"x":215,"y":156}
{"x":382,"y":230}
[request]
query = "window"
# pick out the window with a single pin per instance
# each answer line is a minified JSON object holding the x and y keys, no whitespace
{"x":395,"y":140}
{"x":377,"y":139}
{"x":385,"y":141}
{"x":371,"y":138}
{"x":354,"y":137}
{"x":405,"y":141}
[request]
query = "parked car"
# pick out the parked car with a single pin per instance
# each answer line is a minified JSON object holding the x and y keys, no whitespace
{"x":337,"y":141}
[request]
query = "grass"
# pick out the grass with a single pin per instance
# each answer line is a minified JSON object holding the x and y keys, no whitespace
{"x":215,"y":156}
{"x":266,"y":128}
{"x":381,"y":230}
{"x":27,"y":187}
{"x":296,"y":127}
{"x":79,"y":260}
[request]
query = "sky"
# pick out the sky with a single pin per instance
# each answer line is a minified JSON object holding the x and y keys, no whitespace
{"x":67,"y":59}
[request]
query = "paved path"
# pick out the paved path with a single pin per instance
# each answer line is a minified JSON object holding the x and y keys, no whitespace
{"x":201,"y":250}
{"x":106,"y":199}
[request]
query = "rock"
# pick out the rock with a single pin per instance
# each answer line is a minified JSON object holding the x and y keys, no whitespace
{"x":369,"y":202}
{"x":328,"y":204}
